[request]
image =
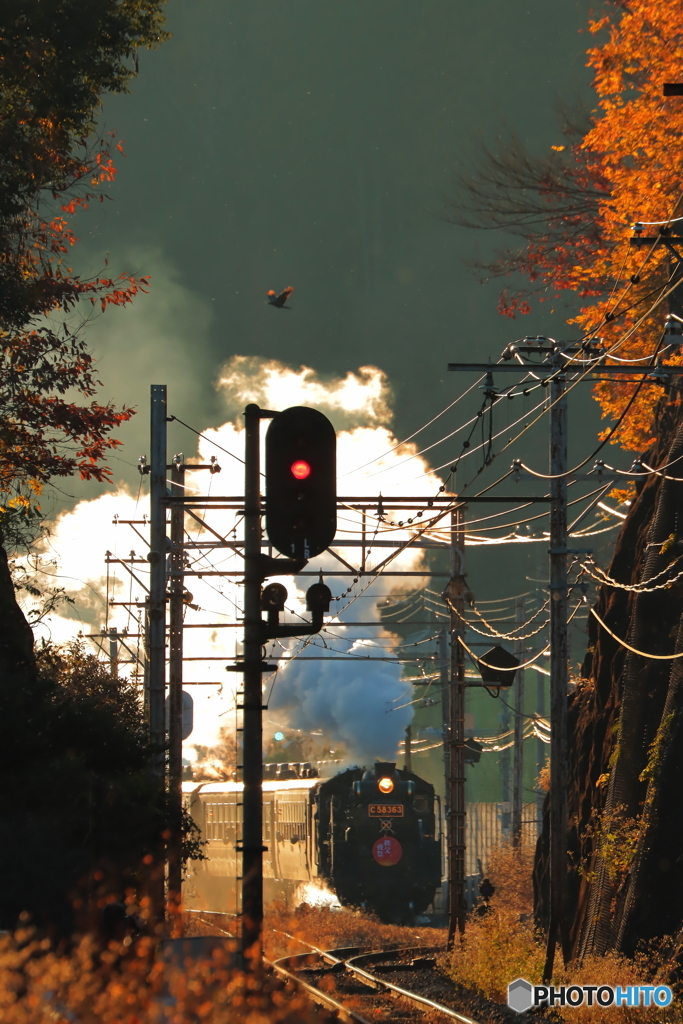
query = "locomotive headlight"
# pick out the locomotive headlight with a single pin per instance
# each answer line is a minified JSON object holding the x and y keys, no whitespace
{"x":385,"y":785}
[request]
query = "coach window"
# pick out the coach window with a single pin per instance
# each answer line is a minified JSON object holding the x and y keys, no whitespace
{"x":267,"y":812}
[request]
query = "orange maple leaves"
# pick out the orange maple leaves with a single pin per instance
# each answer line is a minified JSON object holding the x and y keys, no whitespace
{"x":636,"y":140}
{"x":628,"y":167}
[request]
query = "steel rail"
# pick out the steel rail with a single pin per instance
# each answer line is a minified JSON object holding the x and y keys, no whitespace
{"x":344,"y":1012}
{"x":353,"y":965}
{"x":314,"y":993}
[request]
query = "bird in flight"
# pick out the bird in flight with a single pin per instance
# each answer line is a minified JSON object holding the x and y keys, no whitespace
{"x":279,"y":300}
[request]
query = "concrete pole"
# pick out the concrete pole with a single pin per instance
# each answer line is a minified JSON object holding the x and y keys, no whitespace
{"x":446,"y":729}
{"x":408,"y":762}
{"x":540,"y":748}
{"x":505,"y":775}
{"x":113,"y":651}
{"x":145,"y":670}
{"x":252,"y":754}
{"x":156,"y":619}
{"x":558,"y":669}
{"x":157,"y":576}
{"x":175,"y":692}
{"x":518,"y":778}
{"x":456,"y":795}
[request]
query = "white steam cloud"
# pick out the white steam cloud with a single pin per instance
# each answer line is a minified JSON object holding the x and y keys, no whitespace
{"x":361,"y":397}
{"x":350,"y":699}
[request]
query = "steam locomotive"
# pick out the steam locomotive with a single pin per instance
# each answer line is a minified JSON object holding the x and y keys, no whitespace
{"x":371,"y":836}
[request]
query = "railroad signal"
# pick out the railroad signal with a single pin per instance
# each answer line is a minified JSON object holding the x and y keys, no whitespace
{"x":301,"y":482}
{"x":498,"y":667}
{"x":300,"y":469}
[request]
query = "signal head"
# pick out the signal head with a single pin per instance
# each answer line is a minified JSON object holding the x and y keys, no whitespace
{"x":300,"y":469}
{"x":301,"y":491}
{"x":273,"y":598}
{"x":318,"y":598}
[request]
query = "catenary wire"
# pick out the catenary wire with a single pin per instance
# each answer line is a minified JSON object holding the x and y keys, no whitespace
{"x":176,"y":419}
{"x":416,"y":432}
{"x":636,"y":588}
{"x":634,"y":650}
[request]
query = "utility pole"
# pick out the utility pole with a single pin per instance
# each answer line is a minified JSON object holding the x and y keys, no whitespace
{"x":252,"y":742}
{"x":408,"y":763}
{"x":456,"y":788}
{"x":541,"y":752}
{"x":505,"y":774}
{"x":145,"y":667}
{"x":175,"y":690}
{"x":156,"y":619}
{"x":444,"y":661}
{"x":113,"y":651}
{"x":518,"y":778}
{"x":540,"y":749}
{"x":157,"y":576}
{"x":558,"y":667}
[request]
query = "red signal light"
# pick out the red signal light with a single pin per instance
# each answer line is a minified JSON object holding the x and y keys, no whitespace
{"x":300,"y":469}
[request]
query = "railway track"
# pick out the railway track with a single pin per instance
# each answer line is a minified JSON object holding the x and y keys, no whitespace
{"x":364,"y":986}
{"x":353,"y":983}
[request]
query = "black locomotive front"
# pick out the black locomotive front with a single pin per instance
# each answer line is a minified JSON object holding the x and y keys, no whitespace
{"x":378,"y":845}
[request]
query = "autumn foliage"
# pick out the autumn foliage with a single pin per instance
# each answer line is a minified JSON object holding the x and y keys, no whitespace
{"x":636,"y":143}
{"x":57,"y":59}
{"x":619,"y":164}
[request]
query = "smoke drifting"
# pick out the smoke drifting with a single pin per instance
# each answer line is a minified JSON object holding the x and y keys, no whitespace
{"x":351,"y":700}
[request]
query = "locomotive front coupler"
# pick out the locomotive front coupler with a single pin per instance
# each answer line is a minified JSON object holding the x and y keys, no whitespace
{"x":273,"y":597}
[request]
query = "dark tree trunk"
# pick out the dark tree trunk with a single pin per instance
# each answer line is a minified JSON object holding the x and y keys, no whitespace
{"x":17,"y":659}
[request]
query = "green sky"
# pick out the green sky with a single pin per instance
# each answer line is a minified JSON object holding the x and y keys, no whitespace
{"x":311,"y":144}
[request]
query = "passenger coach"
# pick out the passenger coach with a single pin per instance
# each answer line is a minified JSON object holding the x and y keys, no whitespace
{"x":373,"y":837}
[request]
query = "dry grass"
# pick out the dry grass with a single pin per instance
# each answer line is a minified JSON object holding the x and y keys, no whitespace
{"x":496,"y":950}
{"x":511,"y":872}
{"x":133,"y":984}
{"x":612,"y":969}
{"x":289,"y":931}
{"x":503,"y":945}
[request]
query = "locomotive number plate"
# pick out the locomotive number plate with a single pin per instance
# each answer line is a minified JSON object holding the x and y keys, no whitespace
{"x":385,"y":810}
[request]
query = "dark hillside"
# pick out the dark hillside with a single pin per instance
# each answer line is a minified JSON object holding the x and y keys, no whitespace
{"x":626,"y":732}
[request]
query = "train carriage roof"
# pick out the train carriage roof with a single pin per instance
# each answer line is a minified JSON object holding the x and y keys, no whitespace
{"x":269,"y":786}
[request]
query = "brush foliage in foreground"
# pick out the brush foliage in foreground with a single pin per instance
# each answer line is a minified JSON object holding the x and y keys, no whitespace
{"x":82,"y":808}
